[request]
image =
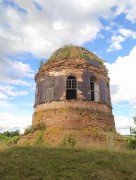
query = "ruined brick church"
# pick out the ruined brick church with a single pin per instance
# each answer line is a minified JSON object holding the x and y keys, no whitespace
{"x":73,"y":92}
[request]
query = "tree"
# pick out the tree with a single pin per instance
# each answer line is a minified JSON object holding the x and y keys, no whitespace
{"x":11,"y":133}
{"x":14,"y":133}
{"x":132,"y":140}
{"x":6,"y":133}
{"x":133,"y":131}
{"x":134,"y":118}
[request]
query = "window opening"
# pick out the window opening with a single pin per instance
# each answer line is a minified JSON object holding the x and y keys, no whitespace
{"x":71,"y":86}
{"x":93,"y":90}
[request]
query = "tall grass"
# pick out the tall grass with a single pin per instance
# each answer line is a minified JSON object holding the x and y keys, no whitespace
{"x":39,"y":162}
{"x":71,"y":51}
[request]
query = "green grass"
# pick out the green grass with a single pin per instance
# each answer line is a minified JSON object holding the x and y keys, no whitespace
{"x":71,"y":51}
{"x":23,"y":163}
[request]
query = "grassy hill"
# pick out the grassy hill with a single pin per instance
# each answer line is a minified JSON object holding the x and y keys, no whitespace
{"x":39,"y":162}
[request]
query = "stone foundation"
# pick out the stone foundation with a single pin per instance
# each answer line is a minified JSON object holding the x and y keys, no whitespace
{"x":74,"y":115}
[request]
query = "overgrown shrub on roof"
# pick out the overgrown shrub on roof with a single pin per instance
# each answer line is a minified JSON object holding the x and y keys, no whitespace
{"x":72,"y":52}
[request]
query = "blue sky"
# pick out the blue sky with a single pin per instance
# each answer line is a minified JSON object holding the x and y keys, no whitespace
{"x":32,"y":30}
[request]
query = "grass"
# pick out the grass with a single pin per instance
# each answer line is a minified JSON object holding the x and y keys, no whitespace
{"x":72,"y":52}
{"x":41,"y":162}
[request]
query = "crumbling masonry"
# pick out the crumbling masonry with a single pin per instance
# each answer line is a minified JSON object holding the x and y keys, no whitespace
{"x":73,"y":92}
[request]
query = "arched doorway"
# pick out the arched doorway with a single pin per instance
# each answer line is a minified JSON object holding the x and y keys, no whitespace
{"x":71,"y":86}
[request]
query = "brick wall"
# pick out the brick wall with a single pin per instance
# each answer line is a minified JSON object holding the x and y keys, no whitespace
{"x":74,"y":115}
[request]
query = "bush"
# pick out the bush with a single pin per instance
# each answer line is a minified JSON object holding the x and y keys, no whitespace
{"x":32,"y":129}
{"x":9,"y":137}
{"x":131,"y":143}
{"x":9,"y":140}
{"x":29,"y":129}
{"x":13,"y":140}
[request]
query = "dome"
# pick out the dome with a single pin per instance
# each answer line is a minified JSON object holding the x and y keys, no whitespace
{"x":73,"y":52}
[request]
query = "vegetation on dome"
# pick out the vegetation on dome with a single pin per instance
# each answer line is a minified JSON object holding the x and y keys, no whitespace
{"x":72,"y":52}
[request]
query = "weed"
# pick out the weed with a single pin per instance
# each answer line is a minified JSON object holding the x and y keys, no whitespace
{"x":131,"y":142}
{"x":29,"y":129}
{"x":40,"y":126}
{"x":32,"y":129}
{"x":110,"y":141}
{"x":64,"y":141}
{"x":39,"y":138}
{"x":69,"y":141}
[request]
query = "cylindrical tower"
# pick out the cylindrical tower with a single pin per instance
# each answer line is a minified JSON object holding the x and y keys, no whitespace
{"x":73,"y":92}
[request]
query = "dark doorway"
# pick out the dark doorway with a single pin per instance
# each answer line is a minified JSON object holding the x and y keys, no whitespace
{"x":71,"y":87}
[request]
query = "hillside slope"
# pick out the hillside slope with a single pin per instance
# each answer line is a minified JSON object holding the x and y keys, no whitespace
{"x":59,"y":163}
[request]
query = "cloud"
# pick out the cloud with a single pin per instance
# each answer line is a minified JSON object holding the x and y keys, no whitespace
{"x":127,"y":33}
{"x":122,"y":74}
{"x":130,"y":11}
{"x":128,"y":8}
{"x":116,"y":43}
{"x":3,"y":96}
{"x":41,"y":37}
{"x":10,"y":91}
{"x":12,"y":72}
{"x":9,"y":121}
{"x":40,"y":28}
{"x":123,"y":124}
{"x":120,"y":36}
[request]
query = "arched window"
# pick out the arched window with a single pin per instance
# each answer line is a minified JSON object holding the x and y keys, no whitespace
{"x":94,"y":90}
{"x":71,"y":86}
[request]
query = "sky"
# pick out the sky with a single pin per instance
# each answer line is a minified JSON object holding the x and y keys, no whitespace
{"x":31,"y":30}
